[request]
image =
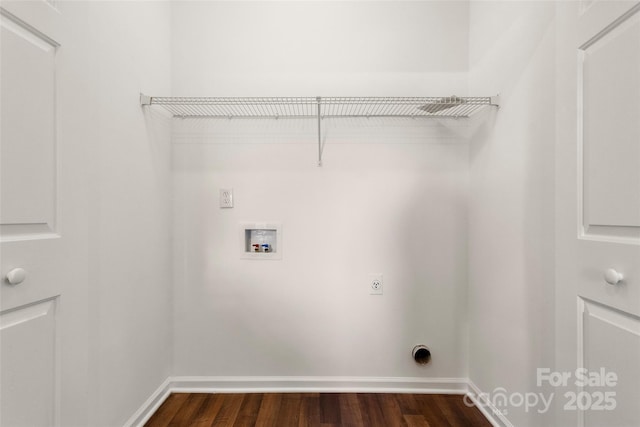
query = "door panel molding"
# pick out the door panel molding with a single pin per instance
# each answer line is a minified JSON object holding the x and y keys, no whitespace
{"x":609,"y":204}
{"x":29,"y":131}
{"x":28,"y":31}
{"x":596,"y":324}
{"x":30,"y":364}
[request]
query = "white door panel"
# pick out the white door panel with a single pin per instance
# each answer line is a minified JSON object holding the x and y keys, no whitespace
{"x":598,"y":208}
{"x":611,"y":339}
{"x":611,"y":138}
{"x":28,"y":134}
{"x":29,"y":378}
{"x":27,"y":363}
{"x":42,"y":265}
{"x":594,"y":259}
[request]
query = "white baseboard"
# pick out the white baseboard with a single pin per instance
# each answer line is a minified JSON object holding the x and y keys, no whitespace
{"x":315,"y":385}
{"x":147,"y":409}
{"x":490,"y":412}
{"x":318,"y":385}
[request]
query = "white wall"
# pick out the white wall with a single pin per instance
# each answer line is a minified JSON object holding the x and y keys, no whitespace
{"x":326,"y":48}
{"x":396,"y":207}
{"x":390,"y":198}
{"x":511,"y":219}
{"x":115,"y":319}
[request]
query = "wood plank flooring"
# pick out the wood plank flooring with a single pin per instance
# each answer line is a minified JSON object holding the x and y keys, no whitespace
{"x":316,"y":410}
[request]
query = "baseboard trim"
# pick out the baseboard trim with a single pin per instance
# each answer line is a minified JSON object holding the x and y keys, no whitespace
{"x":488,"y":409}
{"x":148,"y":408}
{"x":318,"y":385}
{"x":199,"y":384}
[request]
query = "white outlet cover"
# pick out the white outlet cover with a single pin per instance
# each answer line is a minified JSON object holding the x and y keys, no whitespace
{"x":226,"y":197}
{"x":375,"y":284}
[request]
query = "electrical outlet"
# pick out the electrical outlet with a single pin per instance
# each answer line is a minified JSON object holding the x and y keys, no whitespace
{"x":226,"y":198}
{"x":375,"y":284}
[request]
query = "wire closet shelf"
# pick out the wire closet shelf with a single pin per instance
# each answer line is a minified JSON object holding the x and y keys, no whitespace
{"x":320,"y":107}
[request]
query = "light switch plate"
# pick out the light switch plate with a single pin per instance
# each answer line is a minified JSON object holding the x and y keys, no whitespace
{"x":226,"y":198}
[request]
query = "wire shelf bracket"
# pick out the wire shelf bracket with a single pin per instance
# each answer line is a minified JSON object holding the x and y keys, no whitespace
{"x":320,"y":108}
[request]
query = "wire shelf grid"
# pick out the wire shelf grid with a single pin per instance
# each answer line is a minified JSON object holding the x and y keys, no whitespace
{"x":320,"y":107}
{"x":325,"y":107}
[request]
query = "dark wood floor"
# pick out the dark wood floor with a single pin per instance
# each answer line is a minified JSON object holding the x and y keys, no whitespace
{"x":316,"y":409}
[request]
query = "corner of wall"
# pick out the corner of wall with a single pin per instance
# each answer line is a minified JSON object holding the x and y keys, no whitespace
{"x":511,"y":215}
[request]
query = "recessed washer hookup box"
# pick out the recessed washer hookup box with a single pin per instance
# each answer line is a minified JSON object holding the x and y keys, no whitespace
{"x":261,"y":240}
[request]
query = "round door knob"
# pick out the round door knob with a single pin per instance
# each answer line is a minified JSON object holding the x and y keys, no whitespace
{"x":612,"y":277}
{"x":16,"y":276}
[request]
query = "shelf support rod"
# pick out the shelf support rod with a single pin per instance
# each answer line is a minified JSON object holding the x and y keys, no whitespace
{"x":319,"y":99}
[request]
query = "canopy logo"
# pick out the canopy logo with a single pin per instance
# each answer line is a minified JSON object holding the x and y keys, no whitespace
{"x":586,"y":398}
{"x":499,"y":400}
